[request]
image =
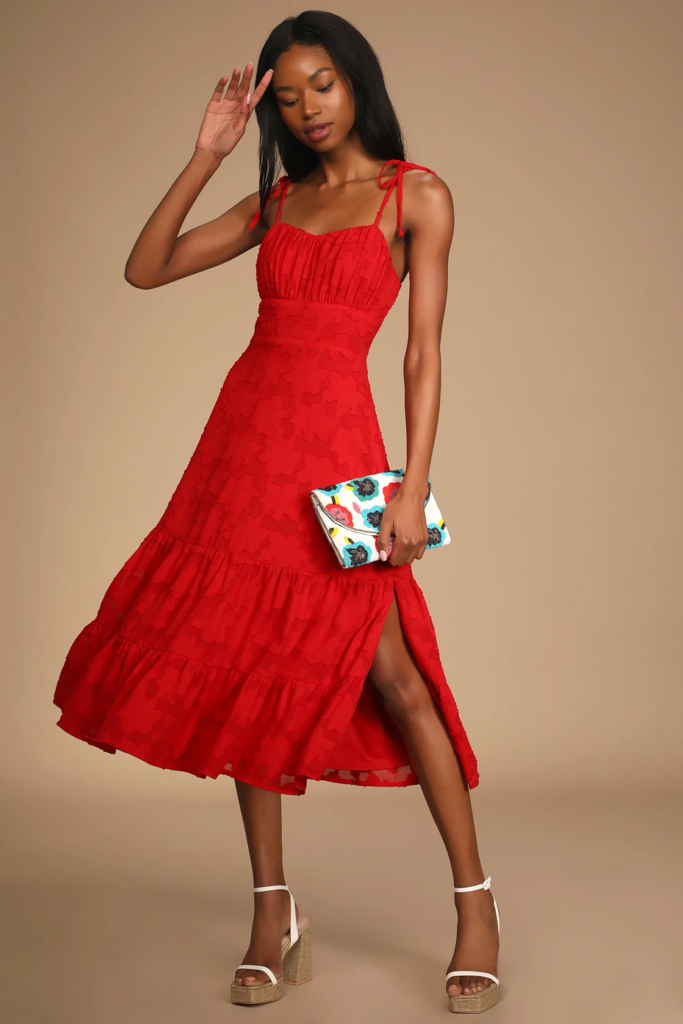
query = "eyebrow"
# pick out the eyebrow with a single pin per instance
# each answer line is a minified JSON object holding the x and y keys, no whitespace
{"x":289,"y":88}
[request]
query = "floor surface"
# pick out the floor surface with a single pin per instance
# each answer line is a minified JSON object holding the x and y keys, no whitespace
{"x":139,"y":911}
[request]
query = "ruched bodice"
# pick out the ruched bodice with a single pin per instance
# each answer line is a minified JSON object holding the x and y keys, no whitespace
{"x":351,"y":267}
{"x":232,"y":642}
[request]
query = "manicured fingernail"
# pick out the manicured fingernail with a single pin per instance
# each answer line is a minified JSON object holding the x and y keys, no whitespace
{"x":383,"y":556}
{"x":248,"y":98}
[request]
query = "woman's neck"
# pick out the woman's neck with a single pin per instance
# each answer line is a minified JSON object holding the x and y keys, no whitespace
{"x":349,"y":161}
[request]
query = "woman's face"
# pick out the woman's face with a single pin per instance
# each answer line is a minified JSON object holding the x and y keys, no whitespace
{"x":314,"y":101}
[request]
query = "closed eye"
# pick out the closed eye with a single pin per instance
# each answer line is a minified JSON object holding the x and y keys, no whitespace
{"x":325,"y":88}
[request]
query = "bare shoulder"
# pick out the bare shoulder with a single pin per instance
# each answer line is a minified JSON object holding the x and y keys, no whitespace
{"x":427,"y":201}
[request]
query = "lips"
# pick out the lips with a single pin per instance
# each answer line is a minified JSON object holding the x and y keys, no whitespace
{"x":319,"y":130}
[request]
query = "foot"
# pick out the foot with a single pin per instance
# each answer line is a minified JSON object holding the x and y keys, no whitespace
{"x":272,"y":915}
{"x":476,"y":946}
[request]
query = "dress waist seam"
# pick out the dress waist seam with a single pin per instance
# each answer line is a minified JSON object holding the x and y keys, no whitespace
{"x":307,"y":303}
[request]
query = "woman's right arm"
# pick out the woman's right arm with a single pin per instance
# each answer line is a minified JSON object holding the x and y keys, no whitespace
{"x":160,"y":255}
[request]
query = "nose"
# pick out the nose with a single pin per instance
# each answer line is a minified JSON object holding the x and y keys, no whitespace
{"x":311,"y":105}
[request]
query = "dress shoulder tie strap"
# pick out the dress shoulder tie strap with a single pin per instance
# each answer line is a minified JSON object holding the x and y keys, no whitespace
{"x":397,"y":181}
{"x":279,"y":189}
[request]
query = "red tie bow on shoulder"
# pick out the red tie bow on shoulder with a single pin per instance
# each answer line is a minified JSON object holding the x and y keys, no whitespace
{"x":275,"y":191}
{"x":397,"y":179}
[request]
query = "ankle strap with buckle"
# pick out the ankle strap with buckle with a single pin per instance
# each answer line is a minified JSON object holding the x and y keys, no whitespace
{"x":486,"y":884}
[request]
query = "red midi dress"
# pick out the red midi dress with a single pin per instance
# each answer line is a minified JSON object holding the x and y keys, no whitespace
{"x":232,"y":642}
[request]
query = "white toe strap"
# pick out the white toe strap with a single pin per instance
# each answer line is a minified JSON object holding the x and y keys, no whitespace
{"x":476,"y":974}
{"x":259,"y":967}
{"x":293,"y":930}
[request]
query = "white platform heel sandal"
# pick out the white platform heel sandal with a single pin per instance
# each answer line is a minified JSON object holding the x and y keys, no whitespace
{"x":475,"y":1002}
{"x":296,"y":961}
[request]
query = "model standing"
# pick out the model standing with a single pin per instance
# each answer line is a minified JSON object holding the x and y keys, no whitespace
{"x":231,"y":641}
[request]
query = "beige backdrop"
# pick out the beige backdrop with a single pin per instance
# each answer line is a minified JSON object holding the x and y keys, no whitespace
{"x":557,"y":127}
{"x":125,"y":890}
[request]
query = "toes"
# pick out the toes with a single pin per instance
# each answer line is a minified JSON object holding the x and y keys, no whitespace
{"x":467,"y":985}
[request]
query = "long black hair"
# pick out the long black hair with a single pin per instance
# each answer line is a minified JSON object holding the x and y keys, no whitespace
{"x":376,"y":121}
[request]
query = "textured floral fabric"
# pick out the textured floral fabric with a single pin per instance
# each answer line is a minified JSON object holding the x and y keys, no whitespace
{"x":232,"y":641}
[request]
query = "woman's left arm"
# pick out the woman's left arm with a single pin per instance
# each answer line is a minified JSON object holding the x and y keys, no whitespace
{"x":428,"y":220}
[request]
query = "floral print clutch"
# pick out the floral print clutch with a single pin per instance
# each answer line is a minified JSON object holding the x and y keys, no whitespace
{"x":350,"y":513}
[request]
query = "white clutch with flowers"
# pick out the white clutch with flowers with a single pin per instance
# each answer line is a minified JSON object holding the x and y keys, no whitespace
{"x":350,"y":513}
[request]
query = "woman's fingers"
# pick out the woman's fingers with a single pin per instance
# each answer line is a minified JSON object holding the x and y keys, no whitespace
{"x":218,"y":91}
{"x":407,"y":551}
{"x":232,"y":87}
{"x":243,"y":87}
{"x":385,"y":540}
{"x":402,"y":552}
{"x":239,"y":86}
{"x":260,"y":89}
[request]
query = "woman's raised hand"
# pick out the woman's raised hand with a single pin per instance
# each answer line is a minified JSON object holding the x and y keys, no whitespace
{"x":226,"y":119}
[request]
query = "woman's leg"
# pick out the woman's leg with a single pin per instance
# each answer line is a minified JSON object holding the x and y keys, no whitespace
{"x":434,"y":761}
{"x":262,"y":816}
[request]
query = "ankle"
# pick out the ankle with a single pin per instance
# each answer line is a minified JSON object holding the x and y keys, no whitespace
{"x":272,"y":909}
{"x":472,"y":899}
{"x":476,"y":904}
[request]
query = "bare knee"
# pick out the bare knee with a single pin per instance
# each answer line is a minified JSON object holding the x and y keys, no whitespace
{"x":395,"y":673}
{"x":405,"y":697}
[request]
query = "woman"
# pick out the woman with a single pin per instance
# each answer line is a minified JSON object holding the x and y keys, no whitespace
{"x":232,"y":642}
